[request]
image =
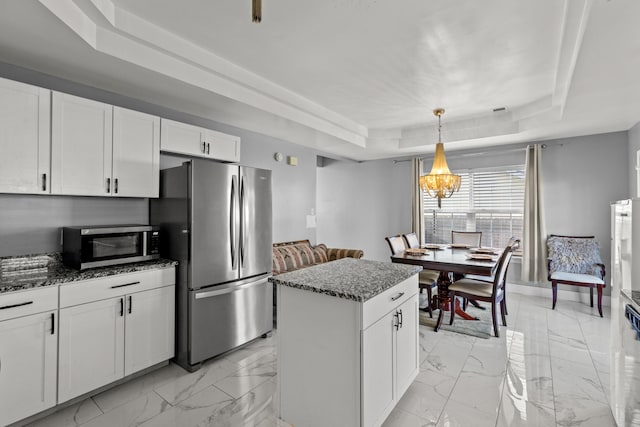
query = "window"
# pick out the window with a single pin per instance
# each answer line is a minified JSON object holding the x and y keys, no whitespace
{"x":489,"y":200}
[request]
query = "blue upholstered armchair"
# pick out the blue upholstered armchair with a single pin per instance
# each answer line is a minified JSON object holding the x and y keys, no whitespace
{"x":574,"y":260}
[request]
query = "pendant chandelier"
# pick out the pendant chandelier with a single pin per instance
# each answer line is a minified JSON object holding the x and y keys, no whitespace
{"x":440,"y":182}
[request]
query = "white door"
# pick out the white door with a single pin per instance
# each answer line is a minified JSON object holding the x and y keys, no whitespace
{"x":24,"y":138}
{"x":28,"y":350}
{"x":149,"y":329}
{"x":377,"y":370}
{"x":91,"y":347}
{"x":81,"y":146}
{"x":407,"y":349}
{"x":181,"y":138}
{"x":136,"y":153}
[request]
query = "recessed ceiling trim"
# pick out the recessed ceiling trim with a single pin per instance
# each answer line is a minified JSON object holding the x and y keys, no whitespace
{"x":121,"y":46}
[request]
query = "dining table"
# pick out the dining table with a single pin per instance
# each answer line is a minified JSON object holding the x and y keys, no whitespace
{"x":448,"y":259}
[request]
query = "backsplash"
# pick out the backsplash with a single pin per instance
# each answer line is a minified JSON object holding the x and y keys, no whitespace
{"x":31,"y":224}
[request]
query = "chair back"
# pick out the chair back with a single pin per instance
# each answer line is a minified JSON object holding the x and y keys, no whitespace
{"x":499,"y":280}
{"x":574,"y":254}
{"x":411,"y":240}
{"x":472,"y":238}
{"x":396,"y":244}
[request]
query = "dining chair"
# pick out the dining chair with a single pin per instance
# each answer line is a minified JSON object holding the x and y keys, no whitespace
{"x":483,"y":291}
{"x":514,"y":242}
{"x":471,"y":238}
{"x":427,"y":279}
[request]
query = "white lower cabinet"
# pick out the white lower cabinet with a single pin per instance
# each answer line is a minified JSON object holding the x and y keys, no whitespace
{"x":359,"y":357}
{"x":106,"y":340}
{"x":28,"y":353}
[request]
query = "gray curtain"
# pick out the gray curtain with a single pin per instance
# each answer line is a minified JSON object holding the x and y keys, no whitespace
{"x":417,"y":205}
{"x":534,"y":235}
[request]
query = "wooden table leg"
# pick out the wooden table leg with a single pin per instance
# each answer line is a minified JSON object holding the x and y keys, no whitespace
{"x":444,"y":301}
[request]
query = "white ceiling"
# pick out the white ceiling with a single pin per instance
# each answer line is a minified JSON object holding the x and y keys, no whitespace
{"x":355,"y":78}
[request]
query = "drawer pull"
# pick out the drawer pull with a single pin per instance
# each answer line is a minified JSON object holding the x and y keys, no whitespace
{"x":126,"y":284}
{"x":16,"y":305}
{"x":397,"y":296}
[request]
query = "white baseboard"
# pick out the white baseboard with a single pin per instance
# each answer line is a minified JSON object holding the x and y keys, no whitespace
{"x":563,"y":295}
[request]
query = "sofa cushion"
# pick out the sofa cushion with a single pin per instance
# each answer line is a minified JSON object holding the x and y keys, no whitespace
{"x":320,"y":253}
{"x":283,"y":261}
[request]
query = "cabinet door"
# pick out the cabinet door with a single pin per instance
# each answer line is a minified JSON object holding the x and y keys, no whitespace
{"x":181,"y":138}
{"x":136,"y":153}
{"x":407,"y":350}
{"x":28,"y":350}
{"x":91,"y":347}
{"x":377,"y":370}
{"x":149,"y":328}
{"x":222,"y":146}
{"x":81,"y":146}
{"x":24,"y":138}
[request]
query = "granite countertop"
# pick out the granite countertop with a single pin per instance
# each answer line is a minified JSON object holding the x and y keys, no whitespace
{"x":33,"y":271}
{"x":349,"y":278}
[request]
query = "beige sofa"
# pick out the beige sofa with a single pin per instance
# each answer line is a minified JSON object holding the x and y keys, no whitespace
{"x":291,"y":256}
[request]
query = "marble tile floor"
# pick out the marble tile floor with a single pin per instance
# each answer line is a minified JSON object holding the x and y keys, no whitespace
{"x":548,"y":368}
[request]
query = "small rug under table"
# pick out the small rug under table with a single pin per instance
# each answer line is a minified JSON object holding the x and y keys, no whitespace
{"x":482,"y":328}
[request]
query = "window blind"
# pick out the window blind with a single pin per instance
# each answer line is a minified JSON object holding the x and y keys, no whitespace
{"x":491,"y":201}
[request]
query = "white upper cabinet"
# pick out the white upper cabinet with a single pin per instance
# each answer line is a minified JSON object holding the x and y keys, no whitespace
{"x":136,"y":153}
{"x":24,"y":138}
{"x":81,"y":146}
{"x":101,"y":150}
{"x":191,"y":140}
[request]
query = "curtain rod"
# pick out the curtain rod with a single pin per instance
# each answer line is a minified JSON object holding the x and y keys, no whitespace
{"x":511,"y":150}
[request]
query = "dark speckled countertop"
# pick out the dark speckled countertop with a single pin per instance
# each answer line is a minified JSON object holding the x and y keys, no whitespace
{"x":33,"y":271}
{"x":355,"y":279}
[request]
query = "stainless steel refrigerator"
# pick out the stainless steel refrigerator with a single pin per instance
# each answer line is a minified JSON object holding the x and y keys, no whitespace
{"x":215,"y":220}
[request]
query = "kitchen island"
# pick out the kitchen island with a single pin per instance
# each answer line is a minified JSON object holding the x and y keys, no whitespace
{"x":347,"y":341}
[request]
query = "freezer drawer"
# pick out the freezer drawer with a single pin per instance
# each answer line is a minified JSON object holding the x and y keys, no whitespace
{"x":224,"y":317}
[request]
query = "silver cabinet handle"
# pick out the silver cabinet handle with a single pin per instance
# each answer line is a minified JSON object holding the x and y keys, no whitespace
{"x":44,"y":182}
{"x":115,"y":185}
{"x":397,"y":321}
{"x":400,"y":317}
{"x":204,"y":147}
{"x":16,"y":305}
{"x":397,"y":296}
{"x":130,"y":304}
{"x":126,"y":284}
{"x":53,"y":323}
{"x":208,"y":148}
{"x":121,"y":307}
{"x":108,"y":185}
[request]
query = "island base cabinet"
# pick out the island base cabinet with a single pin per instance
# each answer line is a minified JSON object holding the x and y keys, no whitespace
{"x":28,"y":354}
{"x":342,"y":362}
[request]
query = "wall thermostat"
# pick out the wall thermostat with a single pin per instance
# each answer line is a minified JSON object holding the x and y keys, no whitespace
{"x":278,"y":157}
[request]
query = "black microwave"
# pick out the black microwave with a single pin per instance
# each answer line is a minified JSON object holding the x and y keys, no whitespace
{"x":99,"y":246}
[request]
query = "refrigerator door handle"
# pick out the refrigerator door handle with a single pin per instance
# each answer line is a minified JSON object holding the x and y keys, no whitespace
{"x":243,"y":231}
{"x":232,"y":222}
{"x":230,"y":289}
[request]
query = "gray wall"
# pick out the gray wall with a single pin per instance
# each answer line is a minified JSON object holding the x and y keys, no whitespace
{"x":361,"y":203}
{"x":30,"y":224}
{"x":634,"y":146}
